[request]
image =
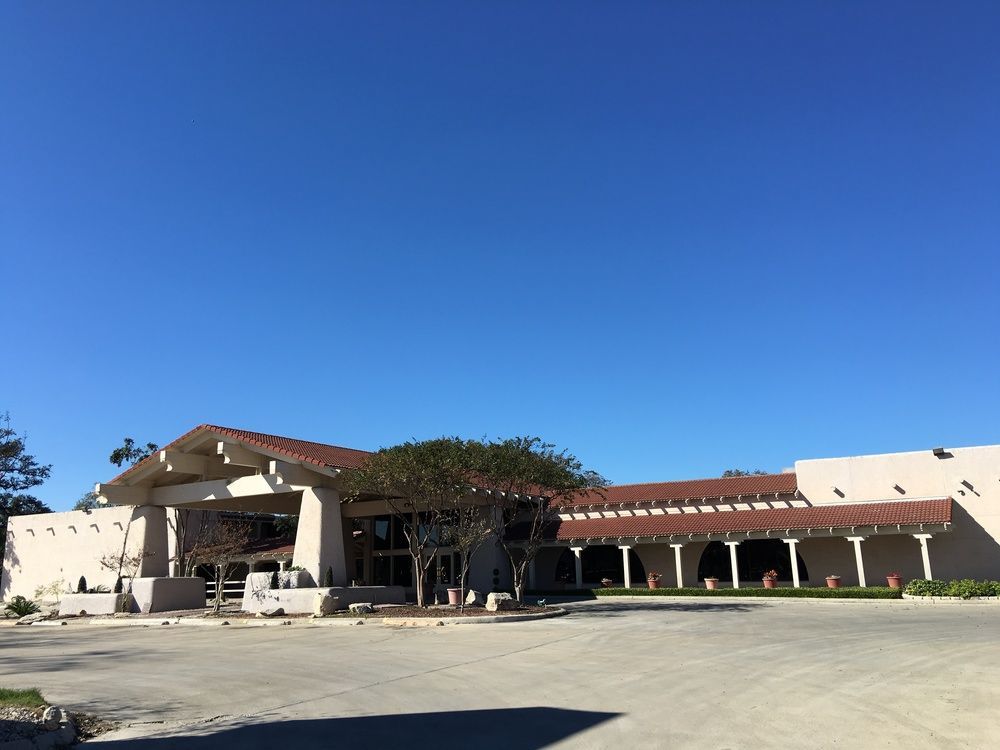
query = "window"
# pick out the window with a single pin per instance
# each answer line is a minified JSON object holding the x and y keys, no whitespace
{"x":380,"y":532}
{"x":381,"y":571}
{"x":402,"y":570}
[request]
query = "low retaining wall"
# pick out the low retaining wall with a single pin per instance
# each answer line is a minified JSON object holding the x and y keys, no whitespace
{"x":259,"y":596}
{"x":92,"y":604}
{"x":168,"y":594}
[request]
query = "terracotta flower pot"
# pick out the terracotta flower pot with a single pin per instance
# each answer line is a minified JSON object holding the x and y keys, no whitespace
{"x":769,"y":583}
{"x":833,"y":583}
{"x":894,"y":582}
{"x":455,"y":596}
{"x":653,"y":584}
{"x":711,"y":584}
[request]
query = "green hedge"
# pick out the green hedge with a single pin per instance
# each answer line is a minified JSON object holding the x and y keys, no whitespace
{"x":964,"y":589}
{"x":807,"y":592}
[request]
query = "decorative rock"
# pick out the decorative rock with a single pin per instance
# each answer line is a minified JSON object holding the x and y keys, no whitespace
{"x":277,"y":612}
{"x":325,"y":604}
{"x":37,"y":617}
{"x":361,"y":608}
{"x":475,"y":597}
{"x":498,"y":601}
{"x":52,"y":717}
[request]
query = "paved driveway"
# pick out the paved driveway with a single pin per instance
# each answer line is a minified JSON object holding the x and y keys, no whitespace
{"x":658,"y":674}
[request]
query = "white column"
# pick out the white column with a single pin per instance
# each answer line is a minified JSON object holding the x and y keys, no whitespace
{"x":579,"y":566}
{"x":732,"y":560}
{"x":922,"y":538}
{"x":795,"y":560}
{"x":677,"y":564}
{"x":858,"y":558}
{"x":319,"y":538}
{"x":626,"y":566}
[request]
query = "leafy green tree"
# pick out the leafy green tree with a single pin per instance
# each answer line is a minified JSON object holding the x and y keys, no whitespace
{"x":728,"y":473}
{"x":131,"y":454}
{"x":19,"y":471}
{"x":87,"y":501}
{"x":530,"y":480}
{"x":420,"y":483}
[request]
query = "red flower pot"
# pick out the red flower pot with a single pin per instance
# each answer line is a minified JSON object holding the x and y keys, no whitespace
{"x":833,"y":583}
{"x":653,"y":584}
{"x":711,"y":584}
{"x":769,"y":583}
{"x":455,"y":596}
{"x":894,"y":582}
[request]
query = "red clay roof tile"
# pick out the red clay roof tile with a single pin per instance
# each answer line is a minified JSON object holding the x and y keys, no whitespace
{"x":752,"y":484}
{"x":889,"y":513}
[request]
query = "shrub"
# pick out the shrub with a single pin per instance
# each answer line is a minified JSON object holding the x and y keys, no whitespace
{"x":275,"y":583}
{"x":964,"y":589}
{"x":81,"y":586}
{"x":18,"y":606}
{"x":922,"y":587}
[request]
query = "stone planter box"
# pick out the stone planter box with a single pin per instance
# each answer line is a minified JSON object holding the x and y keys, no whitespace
{"x":92,"y":604}
{"x":258,"y":596}
{"x":168,"y":594}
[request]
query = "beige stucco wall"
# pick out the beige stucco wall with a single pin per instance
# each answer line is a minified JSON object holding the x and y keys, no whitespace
{"x":971,"y":476}
{"x":47,"y":547}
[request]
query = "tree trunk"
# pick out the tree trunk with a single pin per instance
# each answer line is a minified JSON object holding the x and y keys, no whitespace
{"x":219,"y":584}
{"x":419,"y":580}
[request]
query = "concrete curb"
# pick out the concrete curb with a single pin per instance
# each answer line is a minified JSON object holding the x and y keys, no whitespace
{"x":484,"y":620}
{"x":733,"y":599}
{"x":951,"y":599}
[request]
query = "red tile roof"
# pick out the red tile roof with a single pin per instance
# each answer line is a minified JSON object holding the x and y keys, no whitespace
{"x":889,"y":513}
{"x":306,"y":451}
{"x":752,"y":484}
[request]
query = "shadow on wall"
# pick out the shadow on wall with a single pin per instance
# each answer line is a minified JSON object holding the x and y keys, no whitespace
{"x":968,"y":551}
{"x":501,"y":728}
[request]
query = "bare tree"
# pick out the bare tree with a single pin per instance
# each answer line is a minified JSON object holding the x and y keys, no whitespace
{"x":224,"y":541}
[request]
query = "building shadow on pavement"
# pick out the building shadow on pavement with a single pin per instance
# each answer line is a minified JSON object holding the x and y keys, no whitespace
{"x":489,"y":729}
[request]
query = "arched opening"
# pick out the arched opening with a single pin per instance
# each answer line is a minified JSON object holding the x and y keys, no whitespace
{"x":600,"y":561}
{"x":753,"y":558}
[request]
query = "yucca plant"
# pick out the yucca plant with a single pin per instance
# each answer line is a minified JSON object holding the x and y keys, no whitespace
{"x":18,"y":606}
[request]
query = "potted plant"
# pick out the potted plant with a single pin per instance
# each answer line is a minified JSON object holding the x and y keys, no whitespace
{"x":711,"y":583}
{"x":770,"y":578}
{"x":653,"y":580}
{"x":833,"y":581}
{"x":895,"y":580}
{"x":606,"y":582}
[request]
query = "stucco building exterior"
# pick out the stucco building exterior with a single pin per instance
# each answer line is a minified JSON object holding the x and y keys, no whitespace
{"x":932,"y":513}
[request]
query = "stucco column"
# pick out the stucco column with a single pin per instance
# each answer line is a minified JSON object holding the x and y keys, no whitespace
{"x":626,"y":565}
{"x":922,"y":538}
{"x":732,"y":561}
{"x":858,"y":558}
{"x":149,"y":532}
{"x":795,"y":560}
{"x":319,"y":540}
{"x":579,"y":566}
{"x":677,"y":564}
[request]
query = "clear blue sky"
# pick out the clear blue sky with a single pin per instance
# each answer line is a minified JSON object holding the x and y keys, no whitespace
{"x":671,"y":237}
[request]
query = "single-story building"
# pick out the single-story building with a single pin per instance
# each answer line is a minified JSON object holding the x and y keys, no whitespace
{"x":924,"y":514}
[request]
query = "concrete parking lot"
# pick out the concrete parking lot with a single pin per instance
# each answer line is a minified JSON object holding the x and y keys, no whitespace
{"x":613,"y":674}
